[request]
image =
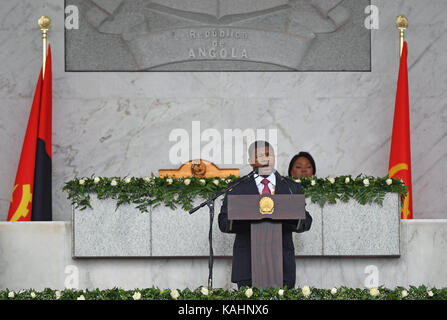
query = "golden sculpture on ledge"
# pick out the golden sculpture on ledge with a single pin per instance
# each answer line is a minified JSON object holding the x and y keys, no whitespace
{"x":199,"y":169}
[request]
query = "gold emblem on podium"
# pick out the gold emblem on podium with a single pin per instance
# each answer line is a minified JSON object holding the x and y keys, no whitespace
{"x":266,"y":205}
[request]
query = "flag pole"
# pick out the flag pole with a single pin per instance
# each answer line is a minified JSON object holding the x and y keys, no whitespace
{"x":402,"y":25}
{"x":44,"y":24}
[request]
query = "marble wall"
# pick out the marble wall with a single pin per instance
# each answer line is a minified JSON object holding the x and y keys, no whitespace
{"x":119,"y":123}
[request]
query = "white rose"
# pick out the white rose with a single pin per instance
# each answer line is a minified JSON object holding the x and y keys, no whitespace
{"x":331,"y":180}
{"x":334,"y":290}
{"x":204,"y":291}
{"x":127,"y":180}
{"x":374,"y":292}
{"x":222,"y":179}
{"x":169,"y":181}
{"x":147,"y":179}
{"x":175,"y":294}
{"x":347,"y":180}
{"x":11,"y":294}
{"x":228,"y":180}
{"x":33,"y":295}
{"x":297,"y":180}
{"x":136,"y":296}
{"x":202,"y":181}
{"x":187,"y":182}
{"x":82,"y":182}
{"x":58,"y":294}
{"x":389,"y":181}
{"x":81,"y":297}
{"x":404,"y":293}
{"x":312,"y":183}
{"x":306,"y":291}
{"x":366,"y":182}
{"x":281,"y":292}
{"x":113,"y":183}
{"x":248,"y":292}
{"x":430,"y":293}
{"x":216,"y":182}
{"x":96,"y":180}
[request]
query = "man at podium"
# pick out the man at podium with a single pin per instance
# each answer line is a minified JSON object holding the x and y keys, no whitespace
{"x":266,"y":181}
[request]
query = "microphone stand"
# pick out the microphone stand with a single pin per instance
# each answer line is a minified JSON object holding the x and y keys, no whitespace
{"x":210,"y":204}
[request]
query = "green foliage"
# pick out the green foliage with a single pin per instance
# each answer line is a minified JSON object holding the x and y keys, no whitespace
{"x":147,"y":192}
{"x":363,"y":189}
{"x":342,"y":293}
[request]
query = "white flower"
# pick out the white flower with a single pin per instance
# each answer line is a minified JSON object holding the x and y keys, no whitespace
{"x":281,"y":292}
{"x":228,"y":180}
{"x":187,"y":182}
{"x":204,"y":291}
{"x":136,"y":296}
{"x":33,"y":295}
{"x":312,"y":183}
{"x":82,"y":182}
{"x":331,"y":180}
{"x":430,"y":293}
{"x":147,"y":179}
{"x":334,"y":290}
{"x":216,"y":182}
{"x":374,"y":292}
{"x":306,"y":291}
{"x":81,"y":297}
{"x":366,"y":182}
{"x":404,"y":293}
{"x":58,"y":294}
{"x":202,"y":181}
{"x":347,"y":180}
{"x":222,"y":179}
{"x":169,"y":181}
{"x":96,"y":180}
{"x":113,"y":183}
{"x":389,"y":181}
{"x":175,"y":294}
{"x":248,"y":292}
{"x":127,"y":180}
{"x":11,"y":294}
{"x":297,"y":180}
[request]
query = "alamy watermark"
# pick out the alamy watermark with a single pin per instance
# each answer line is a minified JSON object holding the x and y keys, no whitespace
{"x":220,"y":147}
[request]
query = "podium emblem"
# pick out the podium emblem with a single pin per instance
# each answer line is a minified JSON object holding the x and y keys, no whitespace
{"x":266,"y":205}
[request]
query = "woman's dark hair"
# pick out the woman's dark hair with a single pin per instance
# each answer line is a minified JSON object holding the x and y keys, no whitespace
{"x":305,"y":155}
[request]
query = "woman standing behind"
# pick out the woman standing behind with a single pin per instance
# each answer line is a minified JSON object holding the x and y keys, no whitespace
{"x":302,"y":165}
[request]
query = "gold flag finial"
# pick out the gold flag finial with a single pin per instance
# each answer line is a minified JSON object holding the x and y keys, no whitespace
{"x":402,"y":25}
{"x":44,"y":24}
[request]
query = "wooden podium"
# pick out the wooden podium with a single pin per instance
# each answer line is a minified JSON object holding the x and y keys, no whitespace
{"x":266,"y":214}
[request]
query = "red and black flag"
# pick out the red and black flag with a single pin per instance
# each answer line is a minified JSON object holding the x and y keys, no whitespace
{"x":31,"y":196}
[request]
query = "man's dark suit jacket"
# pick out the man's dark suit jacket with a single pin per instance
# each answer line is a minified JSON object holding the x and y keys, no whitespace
{"x":241,"y":269}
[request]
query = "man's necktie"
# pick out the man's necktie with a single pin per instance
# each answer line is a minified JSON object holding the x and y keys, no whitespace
{"x":266,"y":189}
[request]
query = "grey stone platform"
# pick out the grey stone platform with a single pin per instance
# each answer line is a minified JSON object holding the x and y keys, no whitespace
{"x":344,"y":229}
{"x":46,"y":246}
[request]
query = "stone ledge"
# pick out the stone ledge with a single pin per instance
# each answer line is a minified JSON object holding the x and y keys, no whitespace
{"x":344,"y":229}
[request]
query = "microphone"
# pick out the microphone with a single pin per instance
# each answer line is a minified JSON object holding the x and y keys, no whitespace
{"x":285,"y":181}
{"x":247,"y":176}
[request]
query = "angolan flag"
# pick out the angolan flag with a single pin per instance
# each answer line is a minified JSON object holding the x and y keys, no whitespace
{"x":400,"y":154}
{"x":31,"y":195}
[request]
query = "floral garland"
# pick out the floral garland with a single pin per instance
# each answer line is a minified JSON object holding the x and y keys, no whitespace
{"x":173,"y":192}
{"x":244,"y":293}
